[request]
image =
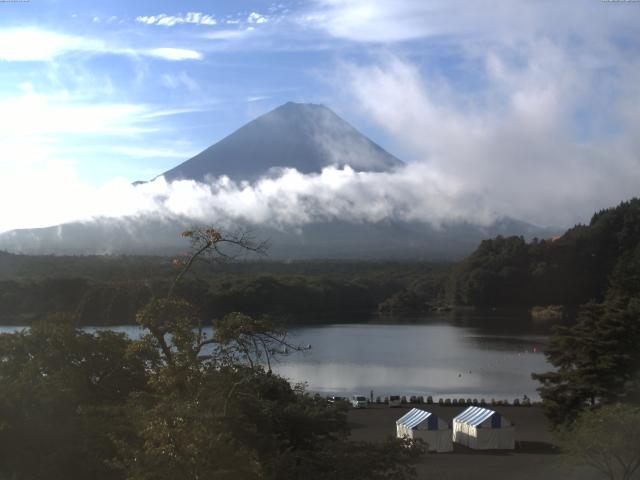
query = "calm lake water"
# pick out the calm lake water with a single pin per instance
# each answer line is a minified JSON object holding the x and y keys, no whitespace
{"x":444,"y":356}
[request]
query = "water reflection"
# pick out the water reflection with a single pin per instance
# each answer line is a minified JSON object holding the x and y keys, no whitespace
{"x":434,"y":357}
{"x":448,"y":356}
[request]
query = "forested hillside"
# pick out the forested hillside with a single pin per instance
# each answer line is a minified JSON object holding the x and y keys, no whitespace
{"x":570,"y":270}
{"x":503,"y":272}
{"x":110,"y":290}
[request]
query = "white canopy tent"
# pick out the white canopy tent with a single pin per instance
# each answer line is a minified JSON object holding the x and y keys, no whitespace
{"x":418,"y":424}
{"x":483,"y":429}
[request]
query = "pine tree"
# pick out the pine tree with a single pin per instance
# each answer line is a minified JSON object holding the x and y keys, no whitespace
{"x":596,"y":359}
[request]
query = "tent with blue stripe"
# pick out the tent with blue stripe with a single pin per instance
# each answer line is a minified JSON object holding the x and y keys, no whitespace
{"x":420,"y":424}
{"x":483,"y":429}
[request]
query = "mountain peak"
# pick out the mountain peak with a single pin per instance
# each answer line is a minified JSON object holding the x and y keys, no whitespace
{"x":300,"y":106}
{"x":304,"y":136}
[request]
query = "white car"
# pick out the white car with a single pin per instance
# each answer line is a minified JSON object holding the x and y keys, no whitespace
{"x":359,"y":401}
{"x":395,"y":401}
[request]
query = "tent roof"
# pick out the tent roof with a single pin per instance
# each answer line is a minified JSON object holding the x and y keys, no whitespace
{"x":474,"y":416}
{"x":413,"y":418}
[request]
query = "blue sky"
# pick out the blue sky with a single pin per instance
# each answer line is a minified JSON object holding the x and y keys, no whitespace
{"x":501,"y":101}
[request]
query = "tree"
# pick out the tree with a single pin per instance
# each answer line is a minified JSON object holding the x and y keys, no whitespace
{"x":605,"y":438}
{"x":595,"y":360}
{"x":62,"y":396}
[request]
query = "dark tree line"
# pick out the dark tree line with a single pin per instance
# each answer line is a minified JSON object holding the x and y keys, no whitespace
{"x":573,"y":269}
{"x":597,"y":359}
{"x":301,"y":298}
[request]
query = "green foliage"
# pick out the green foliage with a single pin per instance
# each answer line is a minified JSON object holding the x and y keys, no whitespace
{"x":392,"y":459}
{"x":595,"y":360}
{"x":569,"y":270}
{"x":422,"y":295}
{"x":62,"y":393}
{"x":605,"y":438}
{"x":300,"y":292}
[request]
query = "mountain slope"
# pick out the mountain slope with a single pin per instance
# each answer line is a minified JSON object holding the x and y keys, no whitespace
{"x":306,"y":137}
{"x":321,"y":240}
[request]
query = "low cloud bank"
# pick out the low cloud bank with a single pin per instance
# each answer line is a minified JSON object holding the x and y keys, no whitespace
{"x":288,"y":199}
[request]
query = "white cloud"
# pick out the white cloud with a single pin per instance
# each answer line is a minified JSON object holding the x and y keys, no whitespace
{"x":149,"y":20}
{"x":32,"y":114}
{"x":513,"y":143}
{"x":39,"y":134}
{"x":380,"y":21}
{"x":291,"y":199}
{"x":41,"y":45}
{"x":255,"y":17}
{"x":196,"y":18}
{"x":30,"y":44}
{"x":174,"y":53}
{"x":45,"y":205}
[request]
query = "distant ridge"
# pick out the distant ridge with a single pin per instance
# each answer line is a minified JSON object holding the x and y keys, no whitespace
{"x":304,"y":136}
{"x":147,"y":235}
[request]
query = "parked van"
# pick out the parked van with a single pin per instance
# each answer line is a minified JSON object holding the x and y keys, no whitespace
{"x":359,"y":401}
{"x":395,"y":401}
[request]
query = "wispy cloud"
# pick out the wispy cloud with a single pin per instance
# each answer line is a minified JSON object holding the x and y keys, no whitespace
{"x":180,"y":80}
{"x":42,"y":132}
{"x":229,"y":34}
{"x":381,"y":21}
{"x":257,"y":98}
{"x":369,"y":21}
{"x":34,"y":114}
{"x":30,"y":44}
{"x":162,"y":19}
{"x":40,"y":45}
{"x":173,"y":53}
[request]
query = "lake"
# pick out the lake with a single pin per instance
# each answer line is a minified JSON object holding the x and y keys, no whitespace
{"x":443,"y":356}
